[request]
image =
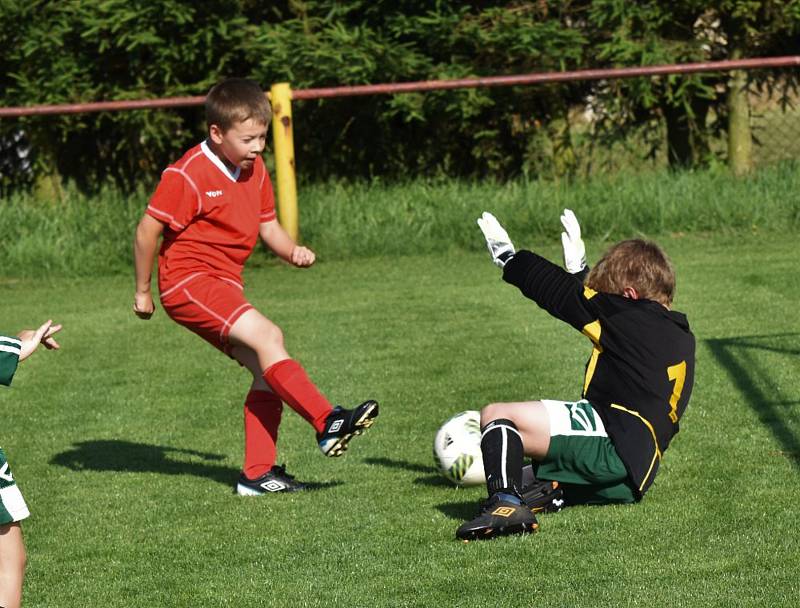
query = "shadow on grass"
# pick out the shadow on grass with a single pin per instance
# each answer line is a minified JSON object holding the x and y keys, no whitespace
{"x":454,"y":510}
{"x":460,"y":511}
{"x":743,"y":359}
{"x":432,"y":479}
{"x":113,"y":455}
{"x":390,"y":463}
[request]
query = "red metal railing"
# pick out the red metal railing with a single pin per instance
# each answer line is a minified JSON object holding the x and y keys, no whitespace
{"x":428,"y":85}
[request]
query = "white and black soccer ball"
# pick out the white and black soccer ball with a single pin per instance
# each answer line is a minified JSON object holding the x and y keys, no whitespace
{"x":457,"y":449}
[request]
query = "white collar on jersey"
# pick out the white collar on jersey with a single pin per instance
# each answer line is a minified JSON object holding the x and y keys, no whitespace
{"x":232,"y":175}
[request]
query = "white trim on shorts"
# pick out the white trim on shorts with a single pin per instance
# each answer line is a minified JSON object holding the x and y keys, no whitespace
{"x":562,"y":413}
{"x":12,"y":501}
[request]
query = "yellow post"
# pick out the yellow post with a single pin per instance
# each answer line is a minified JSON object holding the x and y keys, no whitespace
{"x":281,"y":97}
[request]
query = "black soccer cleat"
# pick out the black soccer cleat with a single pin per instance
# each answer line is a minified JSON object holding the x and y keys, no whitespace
{"x":543,"y":497}
{"x":342,"y":425}
{"x":498,"y":517}
{"x":274,"y":480}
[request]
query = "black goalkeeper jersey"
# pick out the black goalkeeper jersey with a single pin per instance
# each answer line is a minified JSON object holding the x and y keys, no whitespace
{"x":639,"y":376}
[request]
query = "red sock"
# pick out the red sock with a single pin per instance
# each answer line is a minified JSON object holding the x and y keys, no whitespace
{"x":262,"y":415}
{"x":290,"y":381}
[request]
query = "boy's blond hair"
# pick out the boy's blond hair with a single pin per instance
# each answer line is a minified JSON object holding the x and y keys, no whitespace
{"x":635,"y":263}
{"x":236,"y":100}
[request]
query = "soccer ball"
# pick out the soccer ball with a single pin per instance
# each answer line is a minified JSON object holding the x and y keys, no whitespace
{"x":457,"y":449}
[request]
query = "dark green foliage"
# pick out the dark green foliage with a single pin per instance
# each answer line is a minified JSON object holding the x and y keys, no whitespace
{"x":80,"y":50}
{"x":120,"y":49}
{"x":69,"y":52}
{"x":472,"y":131}
{"x":692,"y":107}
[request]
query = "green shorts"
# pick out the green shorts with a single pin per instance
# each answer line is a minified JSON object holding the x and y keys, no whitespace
{"x":582,"y":458}
{"x":12,"y":505}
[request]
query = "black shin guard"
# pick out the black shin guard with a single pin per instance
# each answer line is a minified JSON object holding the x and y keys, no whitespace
{"x":501,"y":445}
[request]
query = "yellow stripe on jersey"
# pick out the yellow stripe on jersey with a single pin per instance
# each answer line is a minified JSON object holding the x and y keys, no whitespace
{"x":592,"y":331}
{"x":590,"y":367}
{"x":657,"y":454}
{"x":588,"y":292}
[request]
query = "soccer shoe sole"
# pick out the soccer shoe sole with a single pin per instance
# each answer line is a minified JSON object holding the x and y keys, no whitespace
{"x":365,"y":421}
{"x":490,"y":532}
{"x":243,"y":490}
{"x":270,"y":486}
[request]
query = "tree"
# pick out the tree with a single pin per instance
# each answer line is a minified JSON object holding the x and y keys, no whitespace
{"x":754,"y":29}
{"x":458,"y":132}
{"x":652,"y":32}
{"x":130,"y":49}
{"x":62,"y":52}
{"x":68,"y":52}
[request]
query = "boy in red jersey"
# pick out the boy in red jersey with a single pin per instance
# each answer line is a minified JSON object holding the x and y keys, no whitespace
{"x":211,"y":207}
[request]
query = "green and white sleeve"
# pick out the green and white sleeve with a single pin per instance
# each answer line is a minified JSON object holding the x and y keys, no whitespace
{"x":9,"y":358}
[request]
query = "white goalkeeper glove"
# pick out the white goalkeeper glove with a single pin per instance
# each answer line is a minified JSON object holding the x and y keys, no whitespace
{"x":574,"y":249}
{"x":500,"y":246}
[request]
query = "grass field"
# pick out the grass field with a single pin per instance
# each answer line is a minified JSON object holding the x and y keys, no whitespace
{"x":126,"y":444}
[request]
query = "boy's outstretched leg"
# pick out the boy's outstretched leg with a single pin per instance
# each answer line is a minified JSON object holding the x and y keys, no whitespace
{"x":335,"y":426}
{"x":287,"y":378}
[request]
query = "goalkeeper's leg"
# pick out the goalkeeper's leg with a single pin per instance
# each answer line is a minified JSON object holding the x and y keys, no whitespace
{"x":532,"y":420}
{"x":509,"y":431}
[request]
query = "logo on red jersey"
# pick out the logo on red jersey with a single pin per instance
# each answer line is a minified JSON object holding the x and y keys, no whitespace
{"x":214,"y":193}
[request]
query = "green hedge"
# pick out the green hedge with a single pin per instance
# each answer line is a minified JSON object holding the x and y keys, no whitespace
{"x":88,"y":50}
{"x":137,"y":49}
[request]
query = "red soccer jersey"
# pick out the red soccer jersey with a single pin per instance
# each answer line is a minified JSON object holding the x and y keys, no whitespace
{"x":212,"y":216}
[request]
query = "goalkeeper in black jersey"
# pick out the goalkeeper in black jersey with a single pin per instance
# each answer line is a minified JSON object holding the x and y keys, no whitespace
{"x":606,"y":447}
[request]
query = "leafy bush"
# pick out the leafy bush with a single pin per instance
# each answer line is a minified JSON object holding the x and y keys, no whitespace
{"x":134,"y":49}
{"x":82,"y":50}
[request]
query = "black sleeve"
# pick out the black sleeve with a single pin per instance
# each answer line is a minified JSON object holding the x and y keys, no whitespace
{"x":582,"y":274}
{"x":551,"y":287}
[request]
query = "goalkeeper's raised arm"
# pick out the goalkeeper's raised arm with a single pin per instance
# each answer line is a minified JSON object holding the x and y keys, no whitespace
{"x":572,"y":244}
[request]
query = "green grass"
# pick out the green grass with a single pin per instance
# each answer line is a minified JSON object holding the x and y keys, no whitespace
{"x":88,"y":236}
{"x":127,"y":442}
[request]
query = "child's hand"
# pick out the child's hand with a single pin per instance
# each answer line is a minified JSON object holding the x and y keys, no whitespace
{"x":31,"y":339}
{"x":302,"y":257}
{"x":500,"y":246}
{"x":143,"y":305}
{"x":574,"y":249}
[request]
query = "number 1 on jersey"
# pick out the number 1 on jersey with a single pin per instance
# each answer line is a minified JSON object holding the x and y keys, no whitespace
{"x":676,"y":373}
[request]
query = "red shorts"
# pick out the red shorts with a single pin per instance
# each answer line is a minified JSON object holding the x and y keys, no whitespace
{"x":206,"y":305}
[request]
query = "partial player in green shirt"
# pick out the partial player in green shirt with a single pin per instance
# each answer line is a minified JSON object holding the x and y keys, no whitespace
{"x":12,"y":506}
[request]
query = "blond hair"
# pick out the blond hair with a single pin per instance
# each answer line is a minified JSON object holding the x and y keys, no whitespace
{"x":236,"y":100}
{"x":635,"y":263}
